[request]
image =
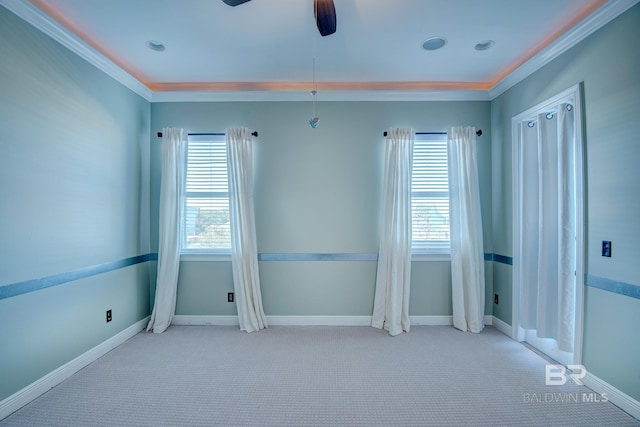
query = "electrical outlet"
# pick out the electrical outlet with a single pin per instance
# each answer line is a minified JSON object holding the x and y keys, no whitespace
{"x":496,"y":299}
{"x":606,"y":248}
{"x":109,"y":316}
{"x":230,"y":297}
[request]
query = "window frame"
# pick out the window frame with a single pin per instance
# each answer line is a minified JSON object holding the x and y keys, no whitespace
{"x":201,"y":254}
{"x":423,"y":252}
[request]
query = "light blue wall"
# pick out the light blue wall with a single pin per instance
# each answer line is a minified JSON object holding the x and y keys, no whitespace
{"x":608,"y":62}
{"x":318,"y":191}
{"x":74,"y":188}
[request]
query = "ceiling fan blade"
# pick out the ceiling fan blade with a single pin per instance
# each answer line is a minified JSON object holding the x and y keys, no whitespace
{"x":235,"y":2}
{"x":325,"y":13}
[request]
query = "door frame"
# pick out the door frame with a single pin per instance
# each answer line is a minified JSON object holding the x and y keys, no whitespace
{"x":574,"y":96}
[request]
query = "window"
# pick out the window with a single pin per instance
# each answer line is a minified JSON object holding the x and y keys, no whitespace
{"x":430,"y":195}
{"x":205,"y":223}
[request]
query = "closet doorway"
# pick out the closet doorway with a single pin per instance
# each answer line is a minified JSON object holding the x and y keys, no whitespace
{"x":548,"y":226}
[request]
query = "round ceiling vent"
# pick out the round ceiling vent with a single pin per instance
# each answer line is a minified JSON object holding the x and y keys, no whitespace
{"x":434,"y":43}
{"x":484,"y":45}
{"x":155,"y":45}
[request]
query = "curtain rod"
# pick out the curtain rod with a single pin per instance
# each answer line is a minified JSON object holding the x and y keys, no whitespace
{"x":254,"y":133}
{"x":478,"y":132}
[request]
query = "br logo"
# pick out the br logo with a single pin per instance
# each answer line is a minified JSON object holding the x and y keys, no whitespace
{"x":558,"y":374}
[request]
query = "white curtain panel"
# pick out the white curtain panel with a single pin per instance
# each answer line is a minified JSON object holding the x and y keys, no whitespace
{"x":393,"y":279}
{"x":244,"y":252}
{"x":467,"y":252}
{"x":549,"y":255}
{"x":174,"y":146}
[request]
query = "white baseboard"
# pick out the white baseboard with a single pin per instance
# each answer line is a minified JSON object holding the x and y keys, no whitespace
{"x":204,"y":320}
{"x":210,"y":320}
{"x":615,"y":396}
{"x":207,"y":320}
{"x":502,"y":326}
{"x":52,"y":379}
{"x":446,"y":320}
{"x":319,"y":320}
{"x":431,"y":320}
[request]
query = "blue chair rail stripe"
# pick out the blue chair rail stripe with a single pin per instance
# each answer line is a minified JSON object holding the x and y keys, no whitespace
{"x":614,"y":286}
{"x":19,"y":288}
{"x":352,"y":257}
{"x":503,"y":259}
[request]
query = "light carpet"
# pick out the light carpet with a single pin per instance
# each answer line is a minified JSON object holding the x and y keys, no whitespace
{"x":317,"y":376}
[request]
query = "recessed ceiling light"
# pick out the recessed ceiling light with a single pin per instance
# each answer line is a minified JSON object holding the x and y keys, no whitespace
{"x":155,"y":45}
{"x":484,"y":45}
{"x":434,"y":43}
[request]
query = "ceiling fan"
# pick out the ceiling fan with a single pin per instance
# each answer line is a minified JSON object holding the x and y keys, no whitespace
{"x":324,"y":11}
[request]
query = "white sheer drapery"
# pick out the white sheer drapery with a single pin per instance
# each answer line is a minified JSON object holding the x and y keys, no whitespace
{"x":244,"y":252}
{"x":549,"y":255}
{"x":174,"y":146}
{"x":391,"y":302}
{"x":467,"y":252}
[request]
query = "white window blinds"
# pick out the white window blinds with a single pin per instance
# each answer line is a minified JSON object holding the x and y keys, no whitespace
{"x":205,"y":224}
{"x":430,"y":195}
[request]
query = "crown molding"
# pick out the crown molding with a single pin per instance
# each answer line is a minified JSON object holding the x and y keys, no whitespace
{"x":575,"y":35}
{"x":57,"y":32}
{"x":266,"y":96}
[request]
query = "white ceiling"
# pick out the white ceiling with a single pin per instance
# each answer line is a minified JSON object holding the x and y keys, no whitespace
{"x":267,"y":46}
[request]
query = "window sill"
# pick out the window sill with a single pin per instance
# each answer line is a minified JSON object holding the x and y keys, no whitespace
{"x":206,"y":257}
{"x":430,"y":257}
{"x":221,"y":257}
